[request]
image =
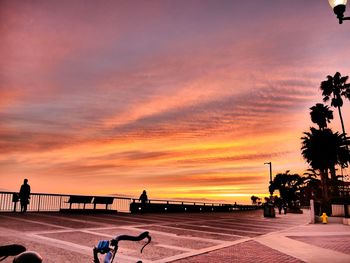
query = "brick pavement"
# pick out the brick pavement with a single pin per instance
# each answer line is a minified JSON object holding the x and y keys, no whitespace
{"x":246,"y":252}
{"x":193,"y":237}
{"x":337,"y":243}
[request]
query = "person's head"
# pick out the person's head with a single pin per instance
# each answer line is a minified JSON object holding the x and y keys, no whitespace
{"x":25,"y":181}
{"x":144,"y":192}
{"x":28,"y":257}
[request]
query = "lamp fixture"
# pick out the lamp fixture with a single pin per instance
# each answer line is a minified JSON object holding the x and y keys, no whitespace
{"x":339,"y":7}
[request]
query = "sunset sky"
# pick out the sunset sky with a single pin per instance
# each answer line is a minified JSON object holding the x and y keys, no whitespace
{"x":184,"y":98}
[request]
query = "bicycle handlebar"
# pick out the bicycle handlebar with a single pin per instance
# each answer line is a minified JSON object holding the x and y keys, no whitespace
{"x":114,"y":242}
{"x":105,"y":246}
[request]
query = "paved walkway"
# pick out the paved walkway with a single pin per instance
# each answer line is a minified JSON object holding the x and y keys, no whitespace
{"x":194,"y":237}
{"x":305,"y":243}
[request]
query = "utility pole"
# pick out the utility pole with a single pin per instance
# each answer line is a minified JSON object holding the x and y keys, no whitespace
{"x":270,"y":164}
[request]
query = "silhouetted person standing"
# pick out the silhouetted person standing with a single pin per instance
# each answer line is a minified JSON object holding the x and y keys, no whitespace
{"x":285,"y":208}
{"x":24,"y":195}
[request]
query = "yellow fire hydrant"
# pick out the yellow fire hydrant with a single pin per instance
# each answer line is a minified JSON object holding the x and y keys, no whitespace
{"x":324,"y":218}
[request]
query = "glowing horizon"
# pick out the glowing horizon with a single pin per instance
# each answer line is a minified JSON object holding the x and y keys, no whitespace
{"x":186,"y":99}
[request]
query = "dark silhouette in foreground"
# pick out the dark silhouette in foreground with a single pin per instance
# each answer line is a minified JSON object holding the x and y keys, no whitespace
{"x":24,"y":195}
{"x":10,"y":251}
{"x":110,"y":247}
{"x":19,"y":253}
{"x":28,"y":257}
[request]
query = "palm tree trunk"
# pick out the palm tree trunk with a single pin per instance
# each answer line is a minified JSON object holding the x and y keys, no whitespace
{"x":334,"y":182}
{"x":333,"y":173}
{"x":341,"y":120}
{"x":324,"y":183}
{"x":344,"y":134}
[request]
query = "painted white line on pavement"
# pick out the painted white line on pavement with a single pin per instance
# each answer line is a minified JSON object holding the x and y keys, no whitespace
{"x":202,"y":231}
{"x":201,"y":251}
{"x":43,"y":232}
{"x":97,"y":233}
{"x":75,"y":220}
{"x":175,"y":247}
{"x":303,"y":251}
{"x":313,"y":234}
{"x":123,"y":218}
{"x":175,"y":235}
{"x":35,"y":222}
{"x":224,"y":228}
{"x":260,"y":224}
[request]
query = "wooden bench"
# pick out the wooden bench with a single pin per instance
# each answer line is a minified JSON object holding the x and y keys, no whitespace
{"x":78,"y":199}
{"x":103,"y":200}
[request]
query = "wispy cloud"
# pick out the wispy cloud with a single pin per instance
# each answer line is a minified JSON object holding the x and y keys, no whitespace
{"x":182,"y":98}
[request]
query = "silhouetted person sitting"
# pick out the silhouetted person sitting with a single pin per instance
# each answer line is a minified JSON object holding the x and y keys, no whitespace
{"x":143,"y":197}
{"x":24,"y":195}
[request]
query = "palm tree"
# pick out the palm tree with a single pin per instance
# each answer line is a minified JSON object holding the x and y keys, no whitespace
{"x":335,"y":88}
{"x":254,"y":199}
{"x":321,"y":114}
{"x":288,"y":186}
{"x":311,"y":177}
{"x":312,"y":184}
{"x":323,"y":150}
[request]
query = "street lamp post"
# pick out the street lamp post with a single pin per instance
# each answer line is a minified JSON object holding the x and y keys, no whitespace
{"x":339,"y":7}
{"x":270,"y":164}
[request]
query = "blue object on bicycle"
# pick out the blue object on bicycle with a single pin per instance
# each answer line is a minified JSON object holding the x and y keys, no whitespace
{"x":103,"y":246}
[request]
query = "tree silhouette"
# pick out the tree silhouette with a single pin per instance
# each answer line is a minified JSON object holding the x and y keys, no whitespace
{"x":323,"y":150}
{"x":288,"y":186}
{"x":311,"y":176}
{"x":321,"y":115}
{"x":254,"y":199}
{"x":312,"y":184}
{"x":335,"y":88}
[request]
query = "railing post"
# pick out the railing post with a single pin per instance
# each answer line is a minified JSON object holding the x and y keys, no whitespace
{"x":346,"y":211}
{"x":59,"y":209}
{"x":39,"y":204}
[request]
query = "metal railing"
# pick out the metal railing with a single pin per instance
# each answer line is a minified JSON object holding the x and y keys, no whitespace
{"x":159,"y":206}
{"x":43,"y":202}
{"x":193,"y":203}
